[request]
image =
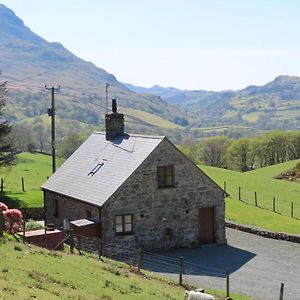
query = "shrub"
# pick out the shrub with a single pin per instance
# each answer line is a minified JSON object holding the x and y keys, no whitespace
{"x":13,"y":220}
{"x":3,"y":207}
{"x":32,"y":225}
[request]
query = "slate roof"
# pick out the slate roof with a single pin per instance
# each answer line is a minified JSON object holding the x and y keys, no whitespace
{"x":120,"y":158}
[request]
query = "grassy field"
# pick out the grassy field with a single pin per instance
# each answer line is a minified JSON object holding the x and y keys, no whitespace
{"x":149,"y":118}
{"x":262,"y":182}
{"x":34,"y":168}
{"x":34,"y":273}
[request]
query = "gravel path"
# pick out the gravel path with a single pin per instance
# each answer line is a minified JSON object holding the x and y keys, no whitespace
{"x":257,"y":266}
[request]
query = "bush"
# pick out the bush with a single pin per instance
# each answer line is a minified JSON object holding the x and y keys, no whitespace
{"x":13,"y":218}
{"x":33,"y":225}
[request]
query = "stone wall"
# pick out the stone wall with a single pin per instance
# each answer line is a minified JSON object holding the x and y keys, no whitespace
{"x":68,"y":208}
{"x":265,"y":233}
{"x":35,"y":213}
{"x":164,"y":217}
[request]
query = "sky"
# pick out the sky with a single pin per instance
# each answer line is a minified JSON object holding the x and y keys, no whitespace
{"x":188,"y":44}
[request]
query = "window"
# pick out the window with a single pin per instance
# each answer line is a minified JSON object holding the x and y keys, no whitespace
{"x":123,"y":224}
{"x":88,"y":214}
{"x":55,"y":208}
{"x":165,"y":176}
{"x":96,"y":169}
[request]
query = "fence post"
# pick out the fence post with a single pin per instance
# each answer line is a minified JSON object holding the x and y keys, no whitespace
{"x":281,"y":291}
{"x":23,"y":185}
{"x":140,"y":257}
{"x":24,"y":230}
{"x":255,"y":198}
{"x":227,"y":282}
{"x":274,"y":207}
{"x":180,"y":269}
{"x":100,"y":249}
{"x":225,"y":187}
{"x":71,"y":242}
{"x":292,"y":209}
{"x":239,"y":193}
{"x":2,"y":185}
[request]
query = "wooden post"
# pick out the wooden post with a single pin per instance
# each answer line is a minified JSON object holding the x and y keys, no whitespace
{"x":140,"y":258}
{"x":2,"y":185}
{"x":281,"y":291}
{"x":239,"y":193}
{"x":292,"y":209}
{"x":72,"y":243}
{"x":24,"y":231}
{"x":100,"y":249}
{"x":23,"y":186}
{"x":225,"y":186}
{"x":274,"y":205}
{"x":227,"y":283}
{"x":255,"y":198}
{"x":2,"y":223}
{"x":180,"y":269}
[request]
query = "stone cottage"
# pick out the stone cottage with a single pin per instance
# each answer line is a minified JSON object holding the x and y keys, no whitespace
{"x":140,"y":190}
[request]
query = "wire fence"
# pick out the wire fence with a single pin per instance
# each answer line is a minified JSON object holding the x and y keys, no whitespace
{"x":274,"y":204}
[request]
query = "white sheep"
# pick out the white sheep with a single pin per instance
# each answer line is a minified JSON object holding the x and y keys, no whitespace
{"x":192,"y":295}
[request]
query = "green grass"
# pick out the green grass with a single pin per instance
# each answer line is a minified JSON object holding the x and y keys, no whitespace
{"x":262,"y":182}
{"x":149,"y":118}
{"x":34,"y":168}
{"x":34,"y":273}
{"x":253,"y":116}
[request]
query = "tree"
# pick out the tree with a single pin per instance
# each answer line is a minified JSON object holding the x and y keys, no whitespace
{"x":6,"y":148}
{"x":214,"y":151}
{"x":239,"y":153}
{"x":70,"y":144}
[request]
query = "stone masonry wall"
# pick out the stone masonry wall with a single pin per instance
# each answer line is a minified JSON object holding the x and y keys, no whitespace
{"x":164,"y":217}
{"x":68,"y":208}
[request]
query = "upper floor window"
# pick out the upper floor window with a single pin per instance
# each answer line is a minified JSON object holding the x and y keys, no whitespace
{"x":124,"y":224}
{"x":165,"y":176}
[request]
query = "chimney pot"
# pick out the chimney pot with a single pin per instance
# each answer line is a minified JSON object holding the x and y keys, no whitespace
{"x":114,"y":105}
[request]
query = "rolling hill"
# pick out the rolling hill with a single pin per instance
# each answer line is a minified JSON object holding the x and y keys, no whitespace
{"x":275,"y":105}
{"x":28,"y":62}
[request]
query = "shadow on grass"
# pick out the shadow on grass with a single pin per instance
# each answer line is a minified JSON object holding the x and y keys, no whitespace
{"x":10,"y":201}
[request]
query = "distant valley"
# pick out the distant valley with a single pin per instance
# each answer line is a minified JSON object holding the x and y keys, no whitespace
{"x":28,"y":62}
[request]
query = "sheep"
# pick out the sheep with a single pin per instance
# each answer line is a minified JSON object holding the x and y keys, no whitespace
{"x":192,"y":295}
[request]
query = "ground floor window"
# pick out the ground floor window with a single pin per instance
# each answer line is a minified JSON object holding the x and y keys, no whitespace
{"x":55,"y":208}
{"x":124,"y":224}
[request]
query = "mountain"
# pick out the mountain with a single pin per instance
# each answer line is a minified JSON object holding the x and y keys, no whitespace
{"x":270,"y":106}
{"x":28,"y":62}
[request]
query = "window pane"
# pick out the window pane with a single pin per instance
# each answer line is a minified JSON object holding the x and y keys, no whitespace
{"x":118,"y":219}
{"x":169,"y":180}
{"x":160,"y":176}
{"x":127,"y":219}
{"x":128,"y":227}
{"x":169,"y":171}
{"x":119,"y":228}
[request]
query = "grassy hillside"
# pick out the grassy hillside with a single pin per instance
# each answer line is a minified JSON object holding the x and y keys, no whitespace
{"x":30,"y":272}
{"x":148,"y":118}
{"x":263,"y":183}
{"x":34,"y":168}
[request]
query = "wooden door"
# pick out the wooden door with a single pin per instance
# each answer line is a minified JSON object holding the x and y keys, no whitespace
{"x":206,"y":225}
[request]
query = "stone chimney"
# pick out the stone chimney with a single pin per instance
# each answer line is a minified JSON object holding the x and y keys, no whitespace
{"x":114,"y":122}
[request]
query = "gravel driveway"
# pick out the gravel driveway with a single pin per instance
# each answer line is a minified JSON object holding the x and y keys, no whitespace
{"x":257,"y":266}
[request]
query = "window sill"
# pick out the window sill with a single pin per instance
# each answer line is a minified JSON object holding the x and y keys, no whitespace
{"x":124,"y":233}
{"x":166,"y":187}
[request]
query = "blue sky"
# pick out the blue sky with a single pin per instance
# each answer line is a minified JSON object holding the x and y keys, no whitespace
{"x":188,"y":44}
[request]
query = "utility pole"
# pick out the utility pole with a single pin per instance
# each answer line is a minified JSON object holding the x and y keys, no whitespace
{"x":51,"y":113}
{"x":106,"y":96}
